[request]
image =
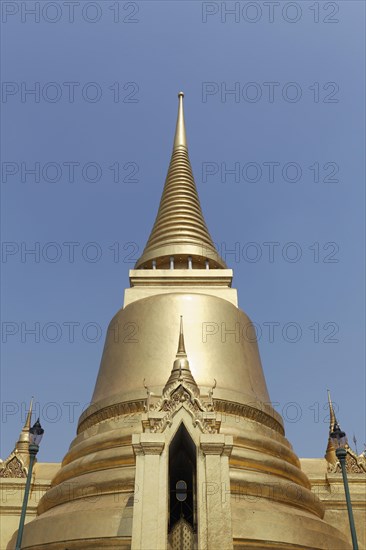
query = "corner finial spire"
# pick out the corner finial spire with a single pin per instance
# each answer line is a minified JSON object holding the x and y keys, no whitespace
{"x":20,"y":455}
{"x":180,"y":138}
{"x":181,"y":370}
{"x":330,"y":455}
{"x":332,"y":416}
{"x":22,"y":445}
{"x":28,"y":420}
{"x":181,"y":347}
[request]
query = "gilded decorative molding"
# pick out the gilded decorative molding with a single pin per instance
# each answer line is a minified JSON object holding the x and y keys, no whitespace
{"x":148,"y":447}
{"x":113,"y":411}
{"x":216,"y":448}
{"x":218,"y":405}
{"x":181,"y":277}
{"x":246,"y":411}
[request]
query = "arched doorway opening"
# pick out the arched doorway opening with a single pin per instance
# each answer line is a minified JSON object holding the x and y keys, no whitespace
{"x":182,"y":525}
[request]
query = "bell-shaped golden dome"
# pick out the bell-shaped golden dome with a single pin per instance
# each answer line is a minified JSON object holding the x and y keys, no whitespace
{"x":112,"y":490}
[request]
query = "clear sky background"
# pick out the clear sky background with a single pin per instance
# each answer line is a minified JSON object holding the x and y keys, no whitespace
{"x":298,"y":72}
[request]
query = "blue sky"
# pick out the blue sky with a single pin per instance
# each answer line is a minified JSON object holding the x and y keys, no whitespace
{"x":97,"y":132}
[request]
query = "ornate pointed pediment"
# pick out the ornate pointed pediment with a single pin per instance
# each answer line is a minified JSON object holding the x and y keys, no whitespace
{"x":180,"y":391}
{"x":355,"y":464}
{"x":159,"y":415}
{"x":13,"y":467}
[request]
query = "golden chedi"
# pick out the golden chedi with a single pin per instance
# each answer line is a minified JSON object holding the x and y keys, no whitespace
{"x":180,"y":447}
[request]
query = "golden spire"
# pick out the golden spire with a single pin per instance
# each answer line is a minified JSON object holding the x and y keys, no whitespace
{"x":181,"y":370}
{"x":332,"y":416}
{"x":179,"y":237}
{"x":330,"y":452}
{"x":23,"y":441}
{"x":180,"y":138}
{"x":181,"y":347}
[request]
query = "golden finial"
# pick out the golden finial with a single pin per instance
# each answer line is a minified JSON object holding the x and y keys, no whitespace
{"x":23,"y":442}
{"x":181,"y":370}
{"x":332,"y":416}
{"x":180,"y":138}
{"x":330,"y":455}
{"x":181,"y":347}
{"x":28,"y":420}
